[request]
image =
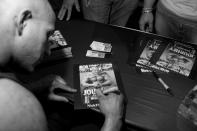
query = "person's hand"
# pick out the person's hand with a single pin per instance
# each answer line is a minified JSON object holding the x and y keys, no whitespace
{"x":52,"y":86}
{"x":146,"y":22}
{"x":67,"y":6}
{"x":111,"y":105}
{"x":57,"y":83}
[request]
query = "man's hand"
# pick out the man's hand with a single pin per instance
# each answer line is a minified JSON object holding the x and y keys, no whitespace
{"x":146,"y":22}
{"x":67,"y":6}
{"x":52,"y":84}
{"x":112,"y":106}
{"x":58,"y":83}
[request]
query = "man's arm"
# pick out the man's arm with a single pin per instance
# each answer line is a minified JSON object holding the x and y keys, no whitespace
{"x":112,"y":124}
{"x":112,"y":106}
{"x":47,"y":87}
{"x":146,"y":20}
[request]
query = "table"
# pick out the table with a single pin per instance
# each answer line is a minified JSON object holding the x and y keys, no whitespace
{"x":149,"y":105}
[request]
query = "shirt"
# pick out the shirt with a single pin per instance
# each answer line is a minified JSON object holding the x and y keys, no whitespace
{"x":183,"y":8}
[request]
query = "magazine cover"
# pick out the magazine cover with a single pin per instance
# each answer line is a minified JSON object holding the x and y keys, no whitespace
{"x":178,"y":57}
{"x":90,"y":77}
{"x":59,"y":48}
{"x":150,"y":48}
{"x":144,"y":48}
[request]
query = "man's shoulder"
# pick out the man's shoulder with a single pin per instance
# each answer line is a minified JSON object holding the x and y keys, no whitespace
{"x":8,"y":82}
{"x":16,"y":101}
{"x":8,"y":85}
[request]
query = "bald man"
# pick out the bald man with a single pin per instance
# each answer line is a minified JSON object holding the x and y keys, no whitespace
{"x":25,"y":26}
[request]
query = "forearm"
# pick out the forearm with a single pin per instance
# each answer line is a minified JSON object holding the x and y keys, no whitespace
{"x":111,"y":124}
{"x":149,"y":3}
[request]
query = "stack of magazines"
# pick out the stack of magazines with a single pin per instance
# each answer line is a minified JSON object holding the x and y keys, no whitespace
{"x":59,"y":48}
{"x":157,"y":53}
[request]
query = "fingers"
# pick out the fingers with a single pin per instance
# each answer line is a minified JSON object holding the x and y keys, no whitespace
{"x":62,"y":13}
{"x":59,"y":83}
{"x":107,"y":83}
{"x":67,"y":8}
{"x":141,"y":23}
{"x":111,"y":90}
{"x":99,"y":93}
{"x":87,"y":3}
{"x":54,"y":97}
{"x":146,"y":22}
{"x":77,"y":5}
{"x":68,"y":89}
{"x":195,"y":87}
{"x":69,"y":12}
{"x":64,"y":87}
{"x":142,"y":27}
{"x":150,"y":27}
{"x":60,"y":80}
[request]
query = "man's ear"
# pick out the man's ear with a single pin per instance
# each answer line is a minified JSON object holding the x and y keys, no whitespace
{"x":21,"y":21}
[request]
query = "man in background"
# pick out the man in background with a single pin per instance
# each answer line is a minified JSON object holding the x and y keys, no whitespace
{"x":25,"y":27}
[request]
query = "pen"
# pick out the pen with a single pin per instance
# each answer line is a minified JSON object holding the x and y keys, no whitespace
{"x":167,"y":88}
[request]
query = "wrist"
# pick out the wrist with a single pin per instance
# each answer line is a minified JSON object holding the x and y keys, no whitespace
{"x":147,"y":10}
{"x":114,"y":124}
{"x":114,"y":116}
{"x":114,"y":119}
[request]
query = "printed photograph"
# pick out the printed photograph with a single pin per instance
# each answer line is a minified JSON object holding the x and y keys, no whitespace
{"x":96,"y":76}
{"x":178,"y":58}
{"x":148,"y":51}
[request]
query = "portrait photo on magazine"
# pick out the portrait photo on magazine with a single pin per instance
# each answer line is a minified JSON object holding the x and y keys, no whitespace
{"x":89,"y":77}
{"x":178,"y":57}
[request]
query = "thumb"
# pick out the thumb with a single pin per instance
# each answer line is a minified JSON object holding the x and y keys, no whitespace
{"x":195,"y":88}
{"x":61,"y":13}
{"x":99,"y":93}
{"x":141,"y":26}
{"x":54,"y":97}
{"x":77,"y":6}
{"x":150,"y":27}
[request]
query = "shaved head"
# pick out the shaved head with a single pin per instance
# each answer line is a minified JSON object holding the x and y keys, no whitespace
{"x":24,"y":26}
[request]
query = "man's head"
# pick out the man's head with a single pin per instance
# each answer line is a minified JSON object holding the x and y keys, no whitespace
{"x":25,"y":26}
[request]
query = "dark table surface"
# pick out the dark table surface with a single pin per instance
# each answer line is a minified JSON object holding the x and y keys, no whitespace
{"x":149,"y":105}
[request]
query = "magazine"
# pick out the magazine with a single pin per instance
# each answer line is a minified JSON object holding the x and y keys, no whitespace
{"x":149,"y":49}
{"x":145,"y":48}
{"x":88,"y":78}
{"x":59,"y":49}
{"x":178,"y":57}
{"x":162,"y":54}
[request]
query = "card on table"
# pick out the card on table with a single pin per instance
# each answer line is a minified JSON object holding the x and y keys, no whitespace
{"x":97,"y":54}
{"x":100,"y":46}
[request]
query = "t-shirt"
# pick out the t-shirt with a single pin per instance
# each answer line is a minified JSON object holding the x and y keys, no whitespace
{"x":184,"y":8}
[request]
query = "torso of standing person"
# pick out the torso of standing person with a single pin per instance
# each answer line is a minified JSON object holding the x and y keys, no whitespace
{"x":183,"y":8}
